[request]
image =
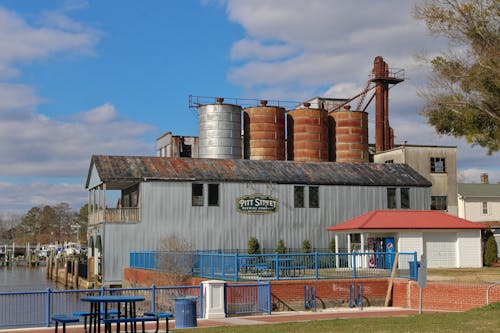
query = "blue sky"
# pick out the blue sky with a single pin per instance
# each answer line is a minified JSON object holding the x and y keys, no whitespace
{"x":108,"y":77}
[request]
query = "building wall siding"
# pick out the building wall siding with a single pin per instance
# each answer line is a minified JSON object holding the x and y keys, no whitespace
{"x":469,"y":249}
{"x":411,"y":241}
{"x":166,"y":208}
{"x":167,"y":211}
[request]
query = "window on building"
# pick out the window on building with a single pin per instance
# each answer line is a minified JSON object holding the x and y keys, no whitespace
{"x":405,"y":198}
{"x":389,"y":161}
{"x":438,"y":164}
{"x":391,"y":198}
{"x":439,"y":202}
{"x":213,"y":194}
{"x":197,"y":195}
{"x":485,"y":207}
{"x":313,"y":197}
{"x":298,"y":196}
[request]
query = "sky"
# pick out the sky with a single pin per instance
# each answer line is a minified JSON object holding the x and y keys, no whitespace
{"x":79,"y":78}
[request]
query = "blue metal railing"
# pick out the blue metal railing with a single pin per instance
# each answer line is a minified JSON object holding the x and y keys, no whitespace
{"x":35,"y":308}
{"x":290,"y":266}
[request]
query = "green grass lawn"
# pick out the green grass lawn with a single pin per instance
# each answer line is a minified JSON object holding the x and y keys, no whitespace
{"x":485,"y":319}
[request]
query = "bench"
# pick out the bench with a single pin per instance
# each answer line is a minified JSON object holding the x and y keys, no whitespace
{"x":63,"y":319}
{"x":158,"y":316}
{"x":131,"y":321}
{"x":86,"y":314}
{"x":293,"y":271}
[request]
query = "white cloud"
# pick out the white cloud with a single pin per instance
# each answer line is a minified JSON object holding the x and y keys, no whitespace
{"x":32,"y":144}
{"x":16,"y":99}
{"x":343,"y":90}
{"x":472,"y":175}
{"x":22,"y":42}
{"x":332,"y":45}
{"x":101,"y":114}
{"x":37,"y":145}
{"x":248,"y":48}
{"x":18,"y":198}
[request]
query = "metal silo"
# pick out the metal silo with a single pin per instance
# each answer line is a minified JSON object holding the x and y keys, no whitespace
{"x":307,"y":132}
{"x":265,"y":132}
{"x":351,"y":135}
{"x":220,"y":130}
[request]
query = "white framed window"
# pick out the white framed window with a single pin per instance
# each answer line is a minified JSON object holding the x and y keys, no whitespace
{"x":298,"y":196}
{"x":438,"y":165}
{"x":484,"y":208}
{"x":439,"y":202}
{"x":197,"y":194}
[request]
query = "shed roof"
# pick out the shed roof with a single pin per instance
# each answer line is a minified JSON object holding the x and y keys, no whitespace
{"x":139,"y":168}
{"x":479,"y":190}
{"x":406,"y":219}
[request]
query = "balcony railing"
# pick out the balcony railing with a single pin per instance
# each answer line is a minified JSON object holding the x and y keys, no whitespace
{"x":115,"y":215}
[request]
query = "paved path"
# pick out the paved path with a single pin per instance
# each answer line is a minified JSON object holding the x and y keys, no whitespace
{"x":276,"y":317}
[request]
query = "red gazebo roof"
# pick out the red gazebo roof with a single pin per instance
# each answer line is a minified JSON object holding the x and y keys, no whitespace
{"x":406,"y":219}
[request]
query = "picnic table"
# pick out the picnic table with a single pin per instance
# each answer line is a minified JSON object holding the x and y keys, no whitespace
{"x":286,"y":267}
{"x":100,"y":307}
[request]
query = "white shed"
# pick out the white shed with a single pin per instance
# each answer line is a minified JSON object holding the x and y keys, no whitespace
{"x":446,"y":241}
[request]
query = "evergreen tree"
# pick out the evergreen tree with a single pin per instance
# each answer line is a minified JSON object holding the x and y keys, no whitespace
{"x":253,"y":246}
{"x":331,"y":245}
{"x":490,"y":249}
{"x":306,"y":246}
{"x":280,"y":248}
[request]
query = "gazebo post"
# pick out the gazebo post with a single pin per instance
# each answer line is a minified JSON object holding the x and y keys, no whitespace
{"x":337,"y":250}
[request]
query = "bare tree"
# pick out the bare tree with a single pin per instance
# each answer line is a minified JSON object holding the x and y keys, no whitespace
{"x":176,"y":259}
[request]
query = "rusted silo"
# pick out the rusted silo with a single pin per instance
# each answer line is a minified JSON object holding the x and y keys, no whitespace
{"x":307,"y":133}
{"x":351,"y":135}
{"x":264,"y":132}
{"x":220,"y":130}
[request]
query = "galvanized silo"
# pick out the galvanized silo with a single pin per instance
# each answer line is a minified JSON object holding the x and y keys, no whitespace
{"x":220,"y":130}
{"x":351,"y":135}
{"x":307,"y":133}
{"x":264,"y":134}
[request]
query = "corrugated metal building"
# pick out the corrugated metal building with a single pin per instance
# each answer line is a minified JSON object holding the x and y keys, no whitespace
{"x":221,"y":203}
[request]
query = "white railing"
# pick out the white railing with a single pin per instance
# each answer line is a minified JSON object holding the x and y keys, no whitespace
{"x":111,"y":215}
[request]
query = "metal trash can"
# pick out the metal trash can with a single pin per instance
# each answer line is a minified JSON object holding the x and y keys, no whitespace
{"x":413,"y":271}
{"x":185,"y":312}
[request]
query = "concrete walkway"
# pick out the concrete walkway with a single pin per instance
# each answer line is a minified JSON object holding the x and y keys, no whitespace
{"x":276,"y":317}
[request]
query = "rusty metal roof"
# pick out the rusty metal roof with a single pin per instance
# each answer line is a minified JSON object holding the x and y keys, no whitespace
{"x":128,"y":169}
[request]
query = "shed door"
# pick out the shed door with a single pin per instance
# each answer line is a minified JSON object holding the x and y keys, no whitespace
{"x":441,"y":249}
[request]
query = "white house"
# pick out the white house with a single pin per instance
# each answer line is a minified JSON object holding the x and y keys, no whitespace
{"x":446,"y":240}
{"x":481,"y":203}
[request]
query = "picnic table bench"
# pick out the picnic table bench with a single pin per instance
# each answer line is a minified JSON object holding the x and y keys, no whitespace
{"x":63,"y":319}
{"x":132,"y":321}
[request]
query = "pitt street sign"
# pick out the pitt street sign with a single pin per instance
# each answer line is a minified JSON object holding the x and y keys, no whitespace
{"x":257,"y":204}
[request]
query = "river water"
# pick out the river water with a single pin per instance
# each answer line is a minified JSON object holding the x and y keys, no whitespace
{"x":20,"y":278}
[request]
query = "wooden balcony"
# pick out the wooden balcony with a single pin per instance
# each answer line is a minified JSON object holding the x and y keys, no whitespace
{"x":115,"y":215}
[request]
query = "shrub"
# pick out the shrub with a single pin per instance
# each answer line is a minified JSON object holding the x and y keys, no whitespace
{"x":331,"y":246}
{"x":253,"y":246}
{"x":281,"y":247}
{"x":306,"y":246}
{"x":490,"y":249}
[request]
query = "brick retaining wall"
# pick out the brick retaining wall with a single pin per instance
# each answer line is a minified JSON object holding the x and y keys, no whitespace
{"x":443,"y":295}
{"x":334,"y":293}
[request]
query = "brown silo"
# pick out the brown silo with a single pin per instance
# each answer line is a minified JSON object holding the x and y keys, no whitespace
{"x":351,"y":135}
{"x":264,"y":132}
{"x":307,"y":132}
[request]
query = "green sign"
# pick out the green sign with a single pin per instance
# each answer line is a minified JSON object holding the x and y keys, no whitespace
{"x":257,"y":204}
